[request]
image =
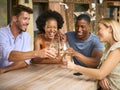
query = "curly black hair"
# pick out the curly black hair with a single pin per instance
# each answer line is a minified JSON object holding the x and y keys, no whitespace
{"x":48,"y":14}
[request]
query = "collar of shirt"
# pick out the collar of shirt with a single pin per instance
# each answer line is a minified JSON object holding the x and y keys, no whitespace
{"x":19,"y":36}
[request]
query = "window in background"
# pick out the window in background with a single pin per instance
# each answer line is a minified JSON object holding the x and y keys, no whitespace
{"x":38,"y":8}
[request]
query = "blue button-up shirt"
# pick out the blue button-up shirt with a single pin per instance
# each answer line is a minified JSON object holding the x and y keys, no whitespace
{"x":9,"y":43}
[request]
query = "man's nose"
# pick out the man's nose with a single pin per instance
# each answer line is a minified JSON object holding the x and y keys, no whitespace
{"x":79,"y":28}
{"x":28,"y":21}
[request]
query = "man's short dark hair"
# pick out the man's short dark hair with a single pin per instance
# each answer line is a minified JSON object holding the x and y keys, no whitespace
{"x":84,"y":17}
{"x":19,"y":8}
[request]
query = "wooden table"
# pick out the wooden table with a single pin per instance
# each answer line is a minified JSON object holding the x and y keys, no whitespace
{"x":45,"y":77}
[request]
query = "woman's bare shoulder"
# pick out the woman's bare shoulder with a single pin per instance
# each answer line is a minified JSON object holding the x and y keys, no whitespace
{"x":39,"y":37}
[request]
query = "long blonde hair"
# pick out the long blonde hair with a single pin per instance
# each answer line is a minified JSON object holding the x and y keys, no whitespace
{"x":109,"y":22}
{"x":114,"y":25}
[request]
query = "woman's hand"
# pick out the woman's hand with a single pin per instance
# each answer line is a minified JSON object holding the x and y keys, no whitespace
{"x":68,"y":64}
{"x":62,"y":36}
{"x":104,"y":84}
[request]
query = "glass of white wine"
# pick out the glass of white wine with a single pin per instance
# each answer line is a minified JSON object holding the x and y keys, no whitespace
{"x":58,"y":47}
{"x":54,"y":46}
{"x":65,"y":47}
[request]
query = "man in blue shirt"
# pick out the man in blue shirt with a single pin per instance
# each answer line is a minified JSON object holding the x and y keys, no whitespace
{"x":15,"y":42}
{"x":85,"y":47}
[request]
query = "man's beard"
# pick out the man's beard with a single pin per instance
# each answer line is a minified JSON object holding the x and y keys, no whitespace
{"x":21,"y":30}
{"x":18,"y":25}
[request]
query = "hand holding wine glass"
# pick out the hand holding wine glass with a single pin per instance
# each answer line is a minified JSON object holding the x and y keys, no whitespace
{"x":54,"y":46}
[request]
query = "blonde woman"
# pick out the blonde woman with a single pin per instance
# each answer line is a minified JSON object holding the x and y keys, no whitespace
{"x":108,"y":73}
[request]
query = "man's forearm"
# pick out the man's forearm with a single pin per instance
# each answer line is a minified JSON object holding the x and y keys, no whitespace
{"x":13,"y":66}
{"x":89,"y":61}
{"x":16,"y":56}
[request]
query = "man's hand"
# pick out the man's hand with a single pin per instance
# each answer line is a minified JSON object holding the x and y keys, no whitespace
{"x":70,"y":51}
{"x":46,"y":53}
{"x":1,"y":70}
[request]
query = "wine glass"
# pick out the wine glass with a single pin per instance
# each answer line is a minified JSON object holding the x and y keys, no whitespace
{"x":64,"y":48}
{"x":57,"y":45}
{"x":54,"y":46}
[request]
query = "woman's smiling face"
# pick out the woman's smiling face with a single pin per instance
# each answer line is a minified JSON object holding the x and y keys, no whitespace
{"x":104,"y":32}
{"x":51,"y":28}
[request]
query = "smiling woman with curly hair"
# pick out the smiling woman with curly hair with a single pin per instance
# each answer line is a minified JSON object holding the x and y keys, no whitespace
{"x":48,"y":24}
{"x":47,"y":15}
